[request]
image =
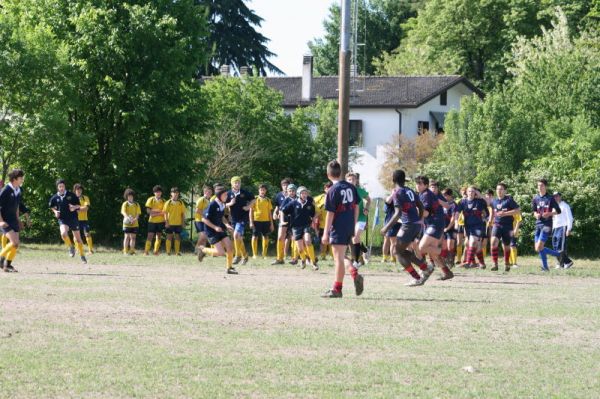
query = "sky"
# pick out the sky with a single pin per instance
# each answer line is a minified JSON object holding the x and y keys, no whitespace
{"x":290,"y":24}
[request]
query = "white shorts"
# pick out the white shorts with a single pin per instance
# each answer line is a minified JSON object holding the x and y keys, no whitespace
{"x":362,"y":226}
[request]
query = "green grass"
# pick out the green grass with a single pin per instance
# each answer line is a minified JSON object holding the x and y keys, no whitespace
{"x":170,"y":327}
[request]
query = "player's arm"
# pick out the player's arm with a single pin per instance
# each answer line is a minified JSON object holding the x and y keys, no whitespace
{"x":123,"y":211}
{"x":166,"y":212}
{"x":328,"y":223}
{"x":2,"y":222}
{"x":75,"y":204}
{"x":393,"y":220}
{"x":569,"y":219}
{"x":251,"y":216}
{"x":54,"y":207}
{"x":451,"y":222}
{"x":367,"y":204}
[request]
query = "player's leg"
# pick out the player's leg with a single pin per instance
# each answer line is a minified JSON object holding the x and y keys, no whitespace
{"x":254,"y":241}
{"x":169,"y":241}
{"x":265,"y":241}
{"x":281,"y":235}
{"x":497,"y":232}
{"x":85,"y":228}
{"x":64,"y":234}
{"x":228,"y":248}
{"x":149,"y":238}
{"x":79,"y":241}
{"x":541,"y":236}
{"x":125,"y":242}
{"x":339,"y":250}
{"x":177,"y":241}
{"x":309,"y":247}
{"x":132,"y":237}
{"x":9,"y":250}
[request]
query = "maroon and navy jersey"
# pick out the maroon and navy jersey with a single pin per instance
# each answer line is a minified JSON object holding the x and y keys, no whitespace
{"x":449,"y":212}
{"x":407,"y":200}
{"x":541,"y":204}
{"x":504,"y":204}
{"x":431,"y":204}
{"x":474,"y":211}
{"x":342,"y":199}
{"x":388,"y":208}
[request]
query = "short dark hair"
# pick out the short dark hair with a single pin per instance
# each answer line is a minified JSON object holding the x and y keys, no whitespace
{"x":286,"y":180}
{"x":128,"y":192}
{"x":60,"y":181}
{"x":422,"y":180}
{"x":15,"y":174}
{"x":434,"y":183}
{"x":501,"y":184}
{"x":263,"y":186}
{"x":77,"y":186}
{"x":219,"y":193}
{"x":207,"y":187}
{"x":157,"y":188}
{"x":543,"y":181}
{"x":399,"y":177}
{"x":174,"y":189}
{"x":490,"y":192}
{"x":448,"y":191}
{"x":334,"y":169}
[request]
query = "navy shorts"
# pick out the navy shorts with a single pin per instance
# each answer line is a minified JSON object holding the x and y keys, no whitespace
{"x":476,"y":231}
{"x":12,"y":226}
{"x":261,"y":229}
{"x":216,"y":237}
{"x":72,"y":224}
{"x":409,"y":232}
{"x":299,"y":232}
{"x":542,"y":233}
{"x":156,"y":228}
{"x":505,"y":233}
{"x":393,"y":231}
{"x":174,"y":230}
{"x":84,"y":226}
{"x":342,"y":236}
{"x":199,"y":227}
{"x":435,"y":231}
{"x":130,"y":230}
{"x":450,"y":234}
{"x":461,"y":229}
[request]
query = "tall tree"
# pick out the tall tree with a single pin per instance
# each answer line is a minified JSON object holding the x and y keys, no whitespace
{"x":233,"y":39}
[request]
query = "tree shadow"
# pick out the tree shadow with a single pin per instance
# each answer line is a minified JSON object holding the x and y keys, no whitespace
{"x":426,"y":300}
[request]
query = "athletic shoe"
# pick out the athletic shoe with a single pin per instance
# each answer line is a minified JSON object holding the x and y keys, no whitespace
{"x":237,"y":260}
{"x":331,"y":294}
{"x":254,"y":257}
{"x":482,"y":266}
{"x":494,"y":268}
{"x":359,"y":284}
{"x":71,"y":251}
{"x":569,"y":265}
{"x":277,"y":262}
{"x":177,"y":254}
{"x":506,"y":267}
{"x":83,"y":260}
{"x":425,"y":274}
{"x":232,"y":270}
{"x":545,"y":269}
{"x":293,"y":262}
{"x":447,"y":276}
{"x":302,"y":264}
{"x":244,"y":261}
{"x":315,"y":267}
{"x":156,"y":253}
{"x":558,"y":266}
{"x":515,"y":266}
{"x":201,"y":254}
{"x":356,"y":265}
{"x":415,"y":283}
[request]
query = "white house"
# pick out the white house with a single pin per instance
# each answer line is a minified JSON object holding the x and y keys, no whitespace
{"x":380,"y":109}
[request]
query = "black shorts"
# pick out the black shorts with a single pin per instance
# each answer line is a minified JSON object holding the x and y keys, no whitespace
{"x":72,"y":224}
{"x":393,"y":231}
{"x":200,"y":227}
{"x":450,"y":234}
{"x":435,"y":231}
{"x":130,"y":230}
{"x":299,"y":232}
{"x":156,"y":228}
{"x":84,"y":226}
{"x":216,"y":237}
{"x":12,"y":226}
{"x":476,"y":231}
{"x":261,"y":229}
{"x":505,"y":233}
{"x":409,"y":232}
{"x":461,"y":229}
{"x":174,"y":230}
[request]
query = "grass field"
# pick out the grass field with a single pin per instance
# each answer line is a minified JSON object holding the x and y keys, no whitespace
{"x":169,"y":327}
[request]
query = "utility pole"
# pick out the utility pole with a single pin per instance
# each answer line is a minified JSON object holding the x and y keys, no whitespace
{"x":344,"y":87}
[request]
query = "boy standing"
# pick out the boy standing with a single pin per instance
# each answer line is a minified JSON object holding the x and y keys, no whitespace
{"x":261,"y":221}
{"x":174,"y":217}
{"x":131,"y":211}
{"x":301,"y":213}
{"x":65,"y":205}
{"x":82,"y":215}
{"x":341,"y":205}
{"x":156,"y":221}
{"x":10,"y":199}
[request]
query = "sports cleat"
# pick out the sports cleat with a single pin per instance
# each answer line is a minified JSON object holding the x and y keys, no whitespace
{"x":446,"y":276}
{"x":356,"y":265}
{"x":569,"y":265}
{"x":482,"y":266}
{"x":277,"y":262}
{"x":415,"y":283}
{"x":558,"y":266}
{"x":331,"y":294}
{"x":494,"y":268}
{"x":359,"y":284}
{"x":315,"y":267}
{"x":237,"y":260}
{"x":303,"y":264}
{"x":83,"y":260}
{"x":71,"y":251}
{"x":293,"y":262}
{"x":425,"y":274}
{"x":201,"y":254}
{"x":244,"y":261}
{"x":545,"y":269}
{"x":506,"y":267}
{"x":515,"y":266}
{"x":232,"y":270}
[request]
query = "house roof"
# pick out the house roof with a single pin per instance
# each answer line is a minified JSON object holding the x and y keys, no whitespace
{"x":370,"y":91}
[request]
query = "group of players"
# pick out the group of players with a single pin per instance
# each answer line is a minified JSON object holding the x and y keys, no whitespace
{"x":418,"y":225}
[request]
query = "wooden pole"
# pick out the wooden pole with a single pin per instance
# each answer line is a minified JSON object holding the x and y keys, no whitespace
{"x":344,"y":87}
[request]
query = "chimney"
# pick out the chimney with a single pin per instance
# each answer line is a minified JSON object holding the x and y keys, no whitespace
{"x":225,"y":70}
{"x":244,"y":71}
{"x":307,"y":69}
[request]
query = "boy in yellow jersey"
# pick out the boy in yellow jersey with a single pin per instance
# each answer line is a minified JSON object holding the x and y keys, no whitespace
{"x":261,"y":221}
{"x":216,"y":227}
{"x":517,"y":219}
{"x":131,"y":211}
{"x":321,"y":213}
{"x":82,"y":215}
{"x":174,"y":216}
{"x":156,"y":221}
{"x":201,"y":204}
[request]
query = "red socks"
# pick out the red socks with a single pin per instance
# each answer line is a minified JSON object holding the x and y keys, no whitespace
{"x":337,"y":286}
{"x":480,"y":257}
{"x":353,"y":272}
{"x":423,"y":266}
{"x":411,"y":270}
{"x":507,"y":257}
{"x":495,"y":255}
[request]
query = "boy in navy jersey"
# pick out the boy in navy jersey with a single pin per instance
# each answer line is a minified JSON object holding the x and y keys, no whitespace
{"x":474,"y":211}
{"x":301,"y":213}
{"x":239,"y":202}
{"x":341,"y":205}
{"x":64,"y":205}
{"x":216,"y":228}
{"x":503,"y":209}
{"x":389,"y":241}
{"x":10,"y":225}
{"x":408,"y":209}
{"x":282,"y":228}
{"x":544,"y":208}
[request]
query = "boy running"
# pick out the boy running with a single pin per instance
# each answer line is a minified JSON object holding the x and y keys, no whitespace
{"x":364,"y":202}
{"x":201,"y":205}
{"x":474,"y":211}
{"x":261,"y":221}
{"x":82,"y":215}
{"x":503,"y":210}
{"x":156,"y":220}
{"x":239,"y":202}
{"x":341,"y":205}
{"x":131,"y":211}
{"x":10,"y":225}
{"x":174,"y":210}
{"x":283,"y":224}
{"x":64,"y":205}
{"x":544,"y":208}
{"x":216,"y":231}
{"x":389,"y":240}
{"x":449,"y":243}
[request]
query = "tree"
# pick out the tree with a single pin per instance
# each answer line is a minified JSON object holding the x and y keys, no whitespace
{"x":233,"y":39}
{"x":379,"y":27}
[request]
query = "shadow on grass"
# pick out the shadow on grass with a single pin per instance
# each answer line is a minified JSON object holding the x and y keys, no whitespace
{"x":496,"y":282}
{"x":426,"y":300}
{"x":82,"y":274}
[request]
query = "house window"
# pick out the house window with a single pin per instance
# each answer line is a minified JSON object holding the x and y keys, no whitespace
{"x":444,"y":98}
{"x":422,"y":127}
{"x":356,"y":133}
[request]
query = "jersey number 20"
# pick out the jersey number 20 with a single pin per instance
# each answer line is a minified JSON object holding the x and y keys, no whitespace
{"x":348,"y":196}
